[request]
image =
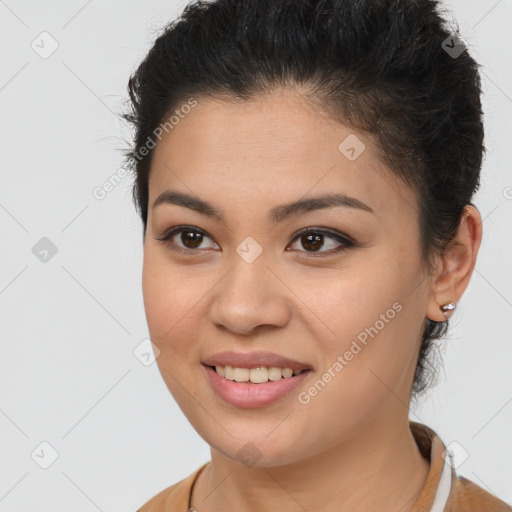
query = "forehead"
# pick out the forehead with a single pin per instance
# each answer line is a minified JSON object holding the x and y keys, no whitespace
{"x":282,"y":125}
{"x":278,"y":146}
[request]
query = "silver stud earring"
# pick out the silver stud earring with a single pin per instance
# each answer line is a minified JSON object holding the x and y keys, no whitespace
{"x":447,"y":307}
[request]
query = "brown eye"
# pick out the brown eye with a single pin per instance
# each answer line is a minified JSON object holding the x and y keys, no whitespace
{"x":314,"y":240}
{"x":189,"y":239}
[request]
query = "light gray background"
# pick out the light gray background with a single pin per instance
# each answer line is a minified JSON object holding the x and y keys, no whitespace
{"x":68,"y":375}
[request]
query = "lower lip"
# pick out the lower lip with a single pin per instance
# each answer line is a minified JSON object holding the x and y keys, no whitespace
{"x":249,"y":395}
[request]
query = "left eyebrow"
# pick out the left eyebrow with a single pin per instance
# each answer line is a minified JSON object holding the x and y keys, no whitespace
{"x":276,"y":214}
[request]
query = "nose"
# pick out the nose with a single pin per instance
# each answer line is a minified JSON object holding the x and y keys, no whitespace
{"x":250,"y":296}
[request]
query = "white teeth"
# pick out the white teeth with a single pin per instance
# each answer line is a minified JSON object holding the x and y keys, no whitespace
{"x":287,"y":372}
{"x":255,"y":375}
{"x":258,"y":375}
{"x":241,"y":374}
{"x":229,"y":373}
{"x":275,"y":373}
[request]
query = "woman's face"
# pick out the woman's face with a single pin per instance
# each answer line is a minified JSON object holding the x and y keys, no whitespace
{"x":241,"y":280}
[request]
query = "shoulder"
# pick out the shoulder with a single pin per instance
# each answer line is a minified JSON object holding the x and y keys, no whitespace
{"x":444,"y":489}
{"x":174,"y":498}
{"x":469,"y":497}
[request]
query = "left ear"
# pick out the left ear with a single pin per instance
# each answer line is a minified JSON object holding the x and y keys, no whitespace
{"x":455,"y":267}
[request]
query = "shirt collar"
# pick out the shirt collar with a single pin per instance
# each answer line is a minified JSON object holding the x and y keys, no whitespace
{"x":436,"y":491}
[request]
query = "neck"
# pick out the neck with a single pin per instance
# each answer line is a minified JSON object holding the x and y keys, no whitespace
{"x":378,"y":468}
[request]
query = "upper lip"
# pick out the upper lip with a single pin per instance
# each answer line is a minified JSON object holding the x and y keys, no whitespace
{"x":253,"y":360}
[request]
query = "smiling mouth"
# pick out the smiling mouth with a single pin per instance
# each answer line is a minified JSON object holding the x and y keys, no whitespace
{"x":258,"y":375}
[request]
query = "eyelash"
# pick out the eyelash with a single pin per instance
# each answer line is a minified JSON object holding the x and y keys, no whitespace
{"x":345,"y":240}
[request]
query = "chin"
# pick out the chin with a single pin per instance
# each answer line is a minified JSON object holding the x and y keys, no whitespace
{"x":256,"y":450}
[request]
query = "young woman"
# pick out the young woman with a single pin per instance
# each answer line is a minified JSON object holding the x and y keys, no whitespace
{"x":304,"y":171}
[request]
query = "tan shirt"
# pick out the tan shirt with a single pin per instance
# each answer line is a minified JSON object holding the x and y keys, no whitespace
{"x":444,"y":490}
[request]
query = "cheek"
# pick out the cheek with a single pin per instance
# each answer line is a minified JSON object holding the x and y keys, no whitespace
{"x":171,"y":307}
{"x":368,"y":328}
{"x":167,"y":296}
{"x":156,"y":291}
{"x":171,"y":302}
